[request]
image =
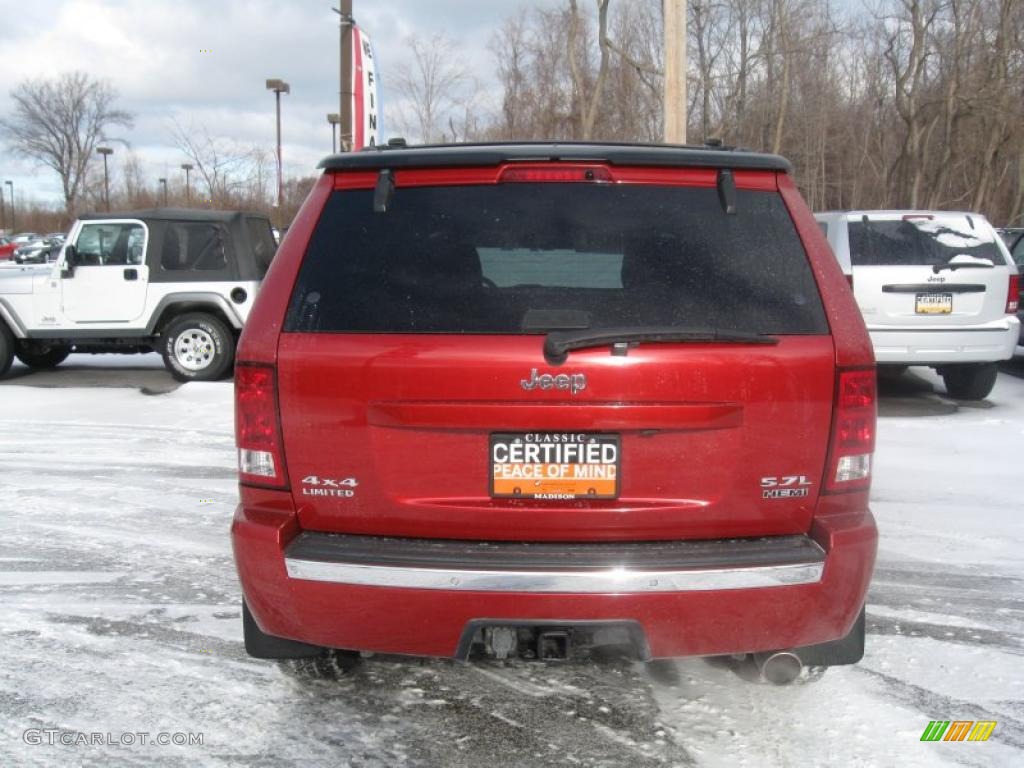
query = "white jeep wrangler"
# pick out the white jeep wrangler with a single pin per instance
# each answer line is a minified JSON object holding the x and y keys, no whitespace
{"x":178,"y":281}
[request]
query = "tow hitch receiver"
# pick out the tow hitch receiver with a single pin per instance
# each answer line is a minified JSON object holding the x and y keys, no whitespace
{"x":553,"y":645}
{"x":543,"y":644}
{"x":551,"y":641}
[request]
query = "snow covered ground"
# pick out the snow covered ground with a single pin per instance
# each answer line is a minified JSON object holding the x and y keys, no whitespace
{"x":119,"y":614}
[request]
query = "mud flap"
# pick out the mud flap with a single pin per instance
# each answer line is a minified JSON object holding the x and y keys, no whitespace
{"x":845,"y":650}
{"x":260,"y":645}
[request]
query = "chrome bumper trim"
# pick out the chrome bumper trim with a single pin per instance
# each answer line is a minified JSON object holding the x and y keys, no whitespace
{"x":605,"y":581}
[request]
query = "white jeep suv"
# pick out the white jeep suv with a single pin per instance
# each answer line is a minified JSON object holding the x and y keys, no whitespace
{"x":178,"y":281}
{"x":936,"y":288}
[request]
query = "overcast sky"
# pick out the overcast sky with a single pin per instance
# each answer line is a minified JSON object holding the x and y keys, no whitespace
{"x":152,"y":52}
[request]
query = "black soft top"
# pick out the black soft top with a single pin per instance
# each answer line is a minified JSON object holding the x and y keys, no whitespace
{"x":172,"y":214}
{"x":464,"y":155}
{"x":247,"y":250}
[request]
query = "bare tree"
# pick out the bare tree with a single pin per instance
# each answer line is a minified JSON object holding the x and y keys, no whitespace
{"x":589,"y":100}
{"x":437,"y":89}
{"x":1003,"y":93}
{"x":908,"y":41}
{"x":136,"y":186}
{"x":509,"y":47}
{"x":900,"y":103}
{"x":635,"y":91}
{"x":60,"y":122}
{"x":569,"y":73}
{"x":230,"y":171}
{"x":710,"y":25}
{"x":533,"y":68}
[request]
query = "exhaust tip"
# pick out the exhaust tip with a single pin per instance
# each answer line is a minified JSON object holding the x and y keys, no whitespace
{"x":779,"y":667}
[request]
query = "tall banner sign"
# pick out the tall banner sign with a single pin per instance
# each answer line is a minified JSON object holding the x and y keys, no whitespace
{"x":365,"y":105}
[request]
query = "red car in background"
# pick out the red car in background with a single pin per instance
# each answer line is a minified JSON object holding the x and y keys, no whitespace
{"x":8,"y":245}
{"x":7,"y":248}
{"x":515,"y":399}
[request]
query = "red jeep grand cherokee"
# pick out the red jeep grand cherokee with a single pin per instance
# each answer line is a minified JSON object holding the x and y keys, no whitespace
{"x":512,"y":398}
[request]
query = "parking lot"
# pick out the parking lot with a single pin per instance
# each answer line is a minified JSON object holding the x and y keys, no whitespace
{"x":122,"y":611}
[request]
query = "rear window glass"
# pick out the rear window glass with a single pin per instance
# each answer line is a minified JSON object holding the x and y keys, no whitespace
{"x":920,"y":241}
{"x":484,"y":259}
{"x":193,"y":247}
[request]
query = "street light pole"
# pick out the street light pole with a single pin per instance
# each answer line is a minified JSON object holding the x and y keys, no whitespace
{"x":334,"y":119}
{"x":14,"y":221}
{"x":187,"y":168}
{"x":346,"y":21}
{"x":106,"y":179}
{"x":163,"y":182}
{"x":279,"y":86}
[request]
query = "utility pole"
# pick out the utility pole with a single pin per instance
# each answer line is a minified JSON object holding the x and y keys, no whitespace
{"x":675,"y":71}
{"x":345,"y":22}
{"x":3,"y":213}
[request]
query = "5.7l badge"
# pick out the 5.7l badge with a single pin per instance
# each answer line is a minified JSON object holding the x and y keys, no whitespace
{"x":785,"y":487}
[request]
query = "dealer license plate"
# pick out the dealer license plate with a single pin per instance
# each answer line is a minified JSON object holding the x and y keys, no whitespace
{"x":934,"y":303}
{"x":555,"y":465}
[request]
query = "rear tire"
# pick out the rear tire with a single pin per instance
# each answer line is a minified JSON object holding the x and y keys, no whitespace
{"x":6,"y":348}
{"x":41,"y":356}
{"x":970,"y":382}
{"x":197,"y":347}
{"x":330,"y":666}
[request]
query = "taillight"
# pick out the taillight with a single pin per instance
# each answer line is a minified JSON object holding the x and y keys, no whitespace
{"x":853,"y":432}
{"x":1013,"y":295}
{"x":258,"y":427}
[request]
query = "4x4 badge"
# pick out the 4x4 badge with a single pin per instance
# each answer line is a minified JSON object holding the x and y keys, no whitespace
{"x":338,"y":487}
{"x":574,"y":382}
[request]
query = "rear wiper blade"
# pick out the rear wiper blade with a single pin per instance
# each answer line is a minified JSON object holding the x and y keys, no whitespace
{"x":962,"y":265}
{"x":558,"y":343}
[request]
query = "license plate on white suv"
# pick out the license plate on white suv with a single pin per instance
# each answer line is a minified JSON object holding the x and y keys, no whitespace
{"x":933,"y":303}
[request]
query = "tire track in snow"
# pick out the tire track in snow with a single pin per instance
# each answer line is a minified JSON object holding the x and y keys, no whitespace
{"x":933,"y":705}
{"x":524,"y":713}
{"x":947,"y":633}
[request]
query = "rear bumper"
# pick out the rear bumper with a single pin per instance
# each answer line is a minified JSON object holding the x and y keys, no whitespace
{"x":978,"y":344}
{"x":347,"y":592}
